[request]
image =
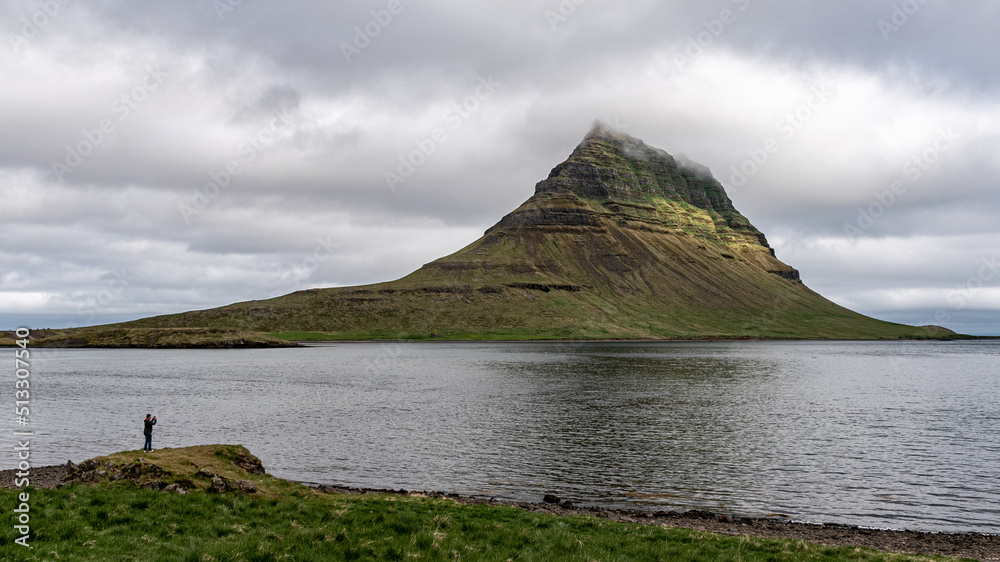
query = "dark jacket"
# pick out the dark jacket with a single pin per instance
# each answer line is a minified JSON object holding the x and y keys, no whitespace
{"x":149,"y":426}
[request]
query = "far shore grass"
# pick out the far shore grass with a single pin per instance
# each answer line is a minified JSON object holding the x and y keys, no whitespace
{"x":555,"y":336}
{"x":286,"y":521}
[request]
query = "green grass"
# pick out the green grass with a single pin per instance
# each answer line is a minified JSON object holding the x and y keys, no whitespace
{"x":304,"y":336}
{"x":123,"y":524}
{"x":170,"y":337}
{"x":442,"y":335}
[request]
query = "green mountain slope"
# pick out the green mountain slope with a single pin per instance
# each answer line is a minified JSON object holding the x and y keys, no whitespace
{"x":620,"y":241}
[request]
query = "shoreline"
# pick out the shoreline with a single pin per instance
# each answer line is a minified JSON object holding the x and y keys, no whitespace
{"x":740,"y":339}
{"x":292,"y":344}
{"x":61,"y":339}
{"x":963,"y":544}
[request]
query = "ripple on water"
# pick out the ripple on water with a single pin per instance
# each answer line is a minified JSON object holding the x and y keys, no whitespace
{"x":880,"y":434}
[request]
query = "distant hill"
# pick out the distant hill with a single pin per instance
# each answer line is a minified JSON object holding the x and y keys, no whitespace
{"x":621,"y":241}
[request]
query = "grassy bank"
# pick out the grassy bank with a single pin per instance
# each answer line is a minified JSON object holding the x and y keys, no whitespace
{"x":116,"y":523}
{"x":123,"y":520}
{"x":152,"y":338}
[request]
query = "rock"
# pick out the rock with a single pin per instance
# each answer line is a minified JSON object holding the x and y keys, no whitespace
{"x":726,"y":519}
{"x":250,"y":464}
{"x":176,"y":488}
{"x":697,"y":514}
{"x":247,"y":486}
{"x":155,"y":485}
{"x":566,"y":504}
{"x":549,"y":498}
{"x":71,"y":469}
{"x":205,"y":473}
{"x":219,"y":485}
{"x":790,"y":274}
{"x":136,"y":470}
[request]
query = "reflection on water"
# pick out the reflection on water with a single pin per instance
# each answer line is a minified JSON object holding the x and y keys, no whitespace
{"x":633,"y":426}
{"x":881,"y":434}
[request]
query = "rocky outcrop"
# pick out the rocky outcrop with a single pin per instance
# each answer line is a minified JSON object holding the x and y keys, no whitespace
{"x":146,"y":473}
{"x":610,"y":165}
{"x":790,"y":274}
{"x":222,"y":484}
{"x":96,"y":471}
{"x":547,"y":217}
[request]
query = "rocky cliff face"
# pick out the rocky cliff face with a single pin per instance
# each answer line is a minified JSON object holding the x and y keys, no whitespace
{"x":612,"y":165}
{"x":625,"y":174}
{"x":613,"y":187}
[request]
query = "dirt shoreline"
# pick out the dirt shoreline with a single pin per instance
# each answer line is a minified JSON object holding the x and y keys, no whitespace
{"x":964,"y":545}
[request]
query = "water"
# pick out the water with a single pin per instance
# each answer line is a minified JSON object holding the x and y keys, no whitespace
{"x":888,"y":435}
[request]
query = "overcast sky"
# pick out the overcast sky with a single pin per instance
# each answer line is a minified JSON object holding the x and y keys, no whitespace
{"x":158,"y":157}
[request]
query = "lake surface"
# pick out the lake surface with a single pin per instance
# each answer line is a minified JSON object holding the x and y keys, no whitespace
{"x":889,"y":435}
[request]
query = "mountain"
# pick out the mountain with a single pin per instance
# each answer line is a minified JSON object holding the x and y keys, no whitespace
{"x":620,"y":241}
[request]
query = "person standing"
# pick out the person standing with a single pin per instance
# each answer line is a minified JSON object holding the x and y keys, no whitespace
{"x":147,"y":430}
